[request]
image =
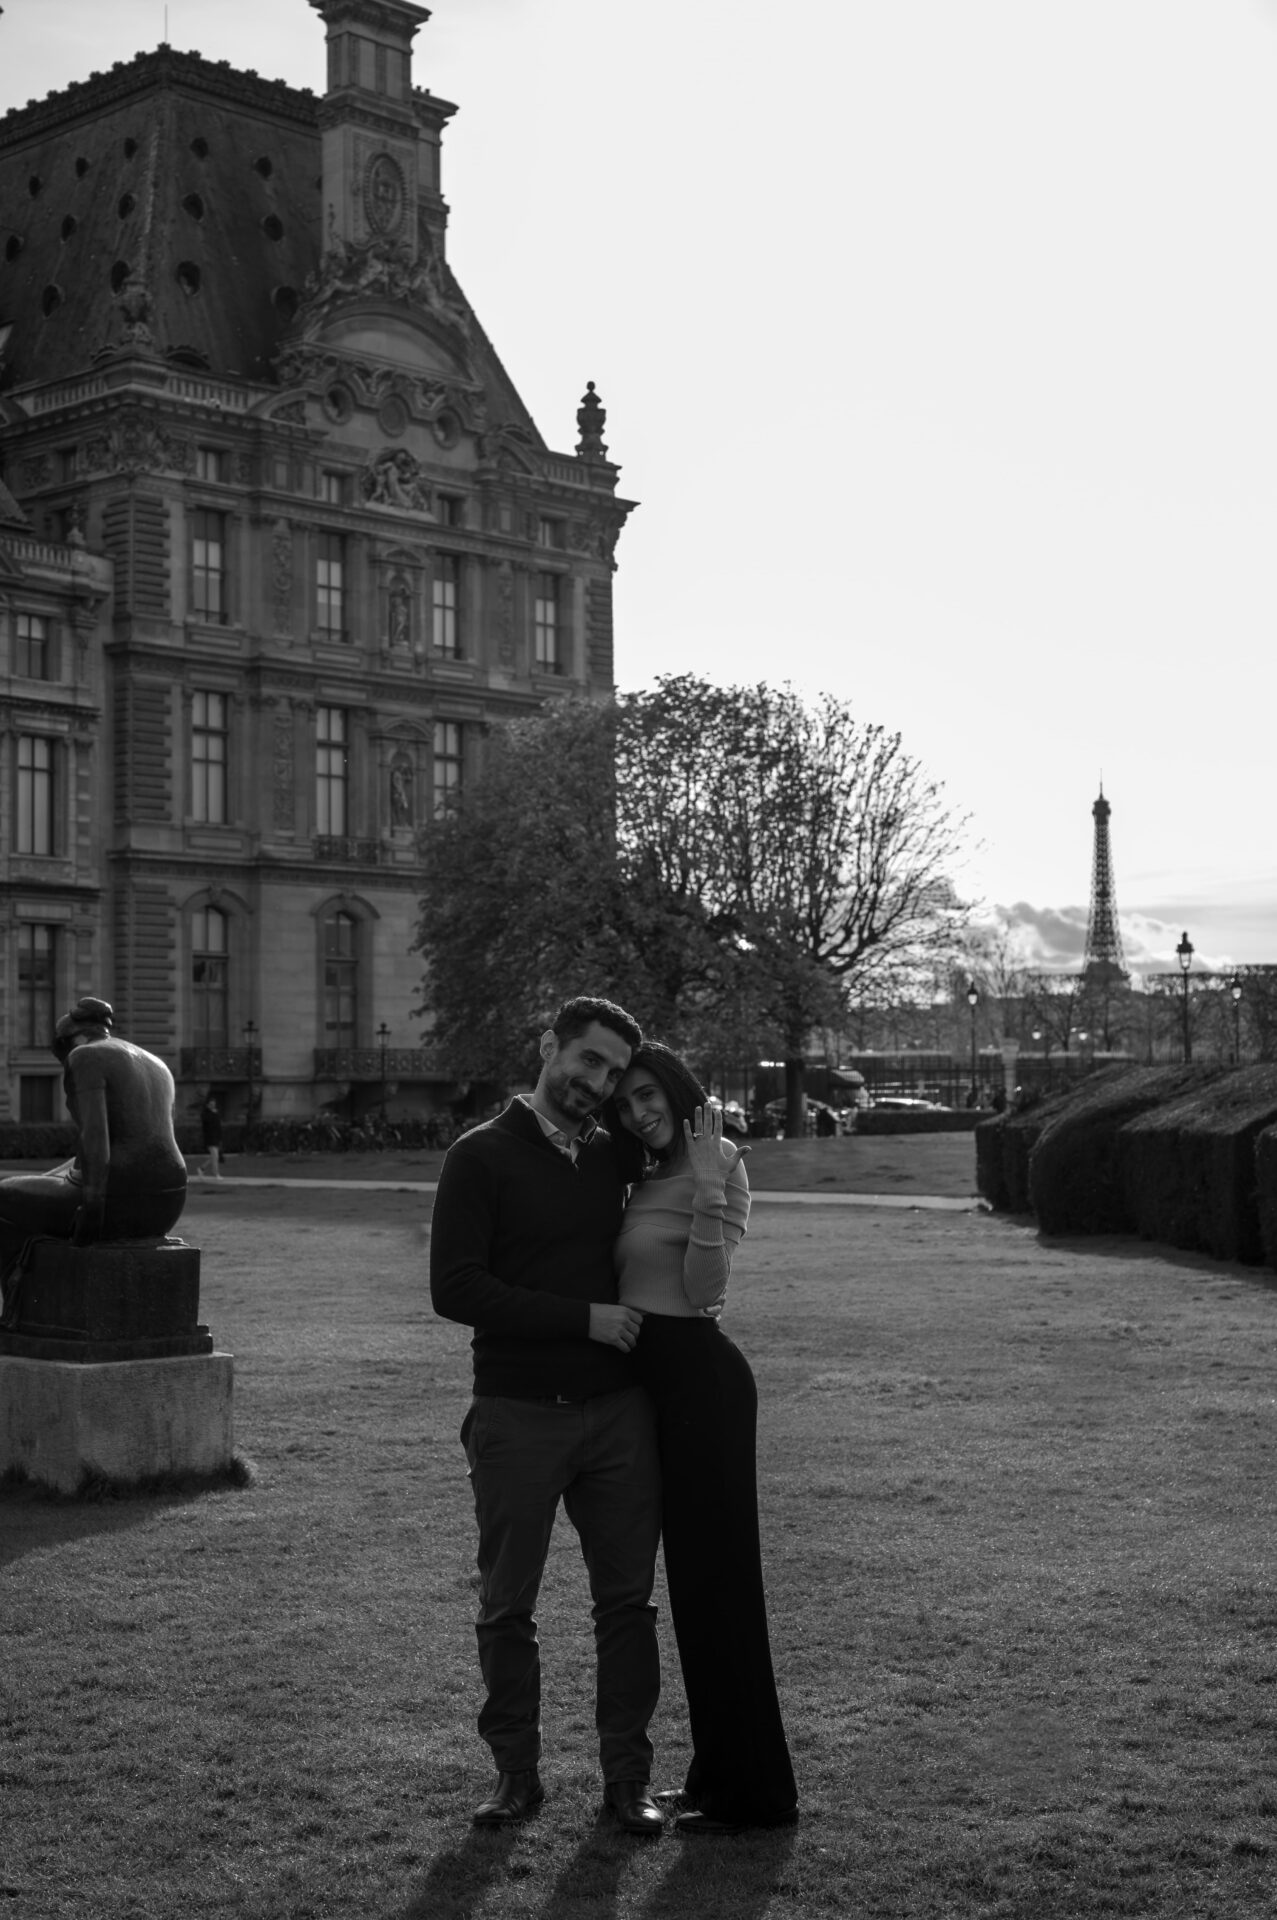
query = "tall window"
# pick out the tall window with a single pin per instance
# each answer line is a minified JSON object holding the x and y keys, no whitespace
{"x":330,"y":597}
{"x":443,"y":605}
{"x":209,"y":1021}
{"x":341,"y":980}
{"x":545,"y":621}
{"x":37,"y":951}
{"x":330,"y":770}
{"x":549,"y":533}
{"x":208,"y":757}
{"x":331,"y":487}
{"x":31,"y":646}
{"x":208,"y":565}
{"x":447,"y":767}
{"x":210,"y":463}
{"x":35,"y":794}
{"x":35,"y":1096}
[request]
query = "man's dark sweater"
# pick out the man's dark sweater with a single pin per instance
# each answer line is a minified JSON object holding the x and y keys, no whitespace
{"x":521,"y":1244}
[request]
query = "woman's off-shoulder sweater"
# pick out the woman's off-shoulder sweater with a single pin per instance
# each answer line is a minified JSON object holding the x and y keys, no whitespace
{"x":677,"y":1240}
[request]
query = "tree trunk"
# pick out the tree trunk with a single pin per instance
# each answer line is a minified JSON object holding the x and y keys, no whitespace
{"x":795,"y":1100}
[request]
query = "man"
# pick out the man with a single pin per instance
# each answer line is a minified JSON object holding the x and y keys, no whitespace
{"x":528,"y":1209}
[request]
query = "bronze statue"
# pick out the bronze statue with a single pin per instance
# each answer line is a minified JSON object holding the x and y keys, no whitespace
{"x":127,"y":1180}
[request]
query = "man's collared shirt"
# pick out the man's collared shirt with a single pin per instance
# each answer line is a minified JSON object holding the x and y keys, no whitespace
{"x":570,"y":1145}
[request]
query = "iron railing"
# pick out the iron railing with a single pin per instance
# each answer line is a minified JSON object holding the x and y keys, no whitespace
{"x":221,"y":1063}
{"x":365,"y":1063}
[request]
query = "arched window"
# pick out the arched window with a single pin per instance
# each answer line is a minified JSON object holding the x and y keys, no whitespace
{"x":341,"y":979}
{"x":209,"y":978}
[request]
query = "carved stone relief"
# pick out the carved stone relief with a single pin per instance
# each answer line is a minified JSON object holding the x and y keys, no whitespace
{"x":392,"y":478}
{"x":505,"y":612}
{"x":282,"y":576}
{"x":282,"y":767}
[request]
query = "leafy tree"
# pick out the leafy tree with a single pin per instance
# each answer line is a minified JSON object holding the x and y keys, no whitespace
{"x":707,"y":855}
{"x":839,"y":853}
{"x":518,"y":886}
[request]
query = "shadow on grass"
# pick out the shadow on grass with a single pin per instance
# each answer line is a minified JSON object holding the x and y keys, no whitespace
{"x":459,"y":1878}
{"x":736,"y":1875}
{"x":1120,"y":1246}
{"x":34,"y":1517}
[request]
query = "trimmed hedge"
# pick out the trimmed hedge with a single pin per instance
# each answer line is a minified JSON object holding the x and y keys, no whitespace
{"x":990,"y":1179}
{"x":1266,"y":1191}
{"x":1188,"y":1168}
{"x":37,"y":1140}
{"x":942,"y":1120}
{"x":1003,"y":1145}
{"x":1074,"y":1184}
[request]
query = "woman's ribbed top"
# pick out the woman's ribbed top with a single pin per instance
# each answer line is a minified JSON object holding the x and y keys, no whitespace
{"x":677,"y":1240}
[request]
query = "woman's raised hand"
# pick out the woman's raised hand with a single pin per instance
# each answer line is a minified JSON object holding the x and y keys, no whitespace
{"x":709,"y":1153}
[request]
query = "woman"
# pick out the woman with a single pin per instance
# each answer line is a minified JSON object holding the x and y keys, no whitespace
{"x":687,"y":1211}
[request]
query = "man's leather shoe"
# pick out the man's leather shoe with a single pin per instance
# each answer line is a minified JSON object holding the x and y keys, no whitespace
{"x":634,"y":1806}
{"x":515,"y":1796}
{"x":674,"y":1800}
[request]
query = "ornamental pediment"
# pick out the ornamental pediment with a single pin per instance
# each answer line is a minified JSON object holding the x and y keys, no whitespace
{"x":364,"y":290}
{"x":346,"y":381}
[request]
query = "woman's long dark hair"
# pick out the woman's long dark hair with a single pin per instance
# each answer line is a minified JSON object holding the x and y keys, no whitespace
{"x":681,"y":1088}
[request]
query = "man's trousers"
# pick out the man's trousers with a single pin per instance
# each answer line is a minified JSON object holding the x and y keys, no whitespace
{"x":600,"y":1457}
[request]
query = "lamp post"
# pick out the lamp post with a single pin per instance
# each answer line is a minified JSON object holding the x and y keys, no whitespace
{"x":250,"y":1035}
{"x":1184,"y":954}
{"x":383,"y":1035}
{"x":973,"y":1001}
{"x":1235,"y":988}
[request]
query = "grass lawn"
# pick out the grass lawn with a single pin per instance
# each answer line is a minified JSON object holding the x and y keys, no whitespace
{"x":1019,"y":1531}
{"x":940,"y":1163}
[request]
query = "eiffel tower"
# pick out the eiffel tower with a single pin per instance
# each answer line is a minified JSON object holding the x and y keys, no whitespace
{"x":1103,"y":965}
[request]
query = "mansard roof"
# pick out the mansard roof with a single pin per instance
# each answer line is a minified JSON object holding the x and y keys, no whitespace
{"x":182,"y":194}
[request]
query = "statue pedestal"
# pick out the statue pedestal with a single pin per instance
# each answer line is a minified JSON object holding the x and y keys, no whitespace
{"x":119,"y":1300}
{"x":64,"y":1422}
{"x":105,"y":1371}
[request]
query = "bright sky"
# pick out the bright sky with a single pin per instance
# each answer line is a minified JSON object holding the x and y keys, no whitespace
{"x":937,"y":341}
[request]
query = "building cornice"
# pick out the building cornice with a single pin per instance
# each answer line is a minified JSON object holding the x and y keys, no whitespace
{"x":164,"y":67}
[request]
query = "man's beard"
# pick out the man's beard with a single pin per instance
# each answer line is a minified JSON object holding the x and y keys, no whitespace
{"x":572,"y":1096}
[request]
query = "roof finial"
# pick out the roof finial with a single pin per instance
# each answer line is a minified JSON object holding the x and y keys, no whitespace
{"x":590,"y":418}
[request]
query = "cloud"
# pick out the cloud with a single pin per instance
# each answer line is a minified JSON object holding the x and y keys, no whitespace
{"x":1054,"y":939}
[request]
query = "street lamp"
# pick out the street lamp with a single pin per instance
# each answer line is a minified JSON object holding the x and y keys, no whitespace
{"x":973,"y":1001}
{"x":383,"y":1034}
{"x":1184,"y":954}
{"x":1235,"y":988}
{"x":250,"y":1035}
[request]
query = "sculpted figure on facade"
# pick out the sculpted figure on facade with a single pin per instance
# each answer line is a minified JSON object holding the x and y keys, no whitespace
{"x":394,"y":479}
{"x":133,"y":304}
{"x":401,"y":793}
{"x":400,"y":623}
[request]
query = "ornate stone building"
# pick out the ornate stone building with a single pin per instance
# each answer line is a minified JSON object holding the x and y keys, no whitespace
{"x":279,"y":540}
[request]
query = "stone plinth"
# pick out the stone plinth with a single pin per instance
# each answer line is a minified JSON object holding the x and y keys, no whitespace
{"x":119,"y":1300}
{"x":65,"y":1422}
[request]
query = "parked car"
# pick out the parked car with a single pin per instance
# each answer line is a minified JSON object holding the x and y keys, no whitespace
{"x":902,"y":1103}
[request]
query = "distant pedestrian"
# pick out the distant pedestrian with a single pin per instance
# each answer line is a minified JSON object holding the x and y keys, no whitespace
{"x":211,"y":1133}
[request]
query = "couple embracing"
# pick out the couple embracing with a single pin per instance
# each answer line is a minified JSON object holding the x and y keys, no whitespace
{"x":592,"y":1261}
